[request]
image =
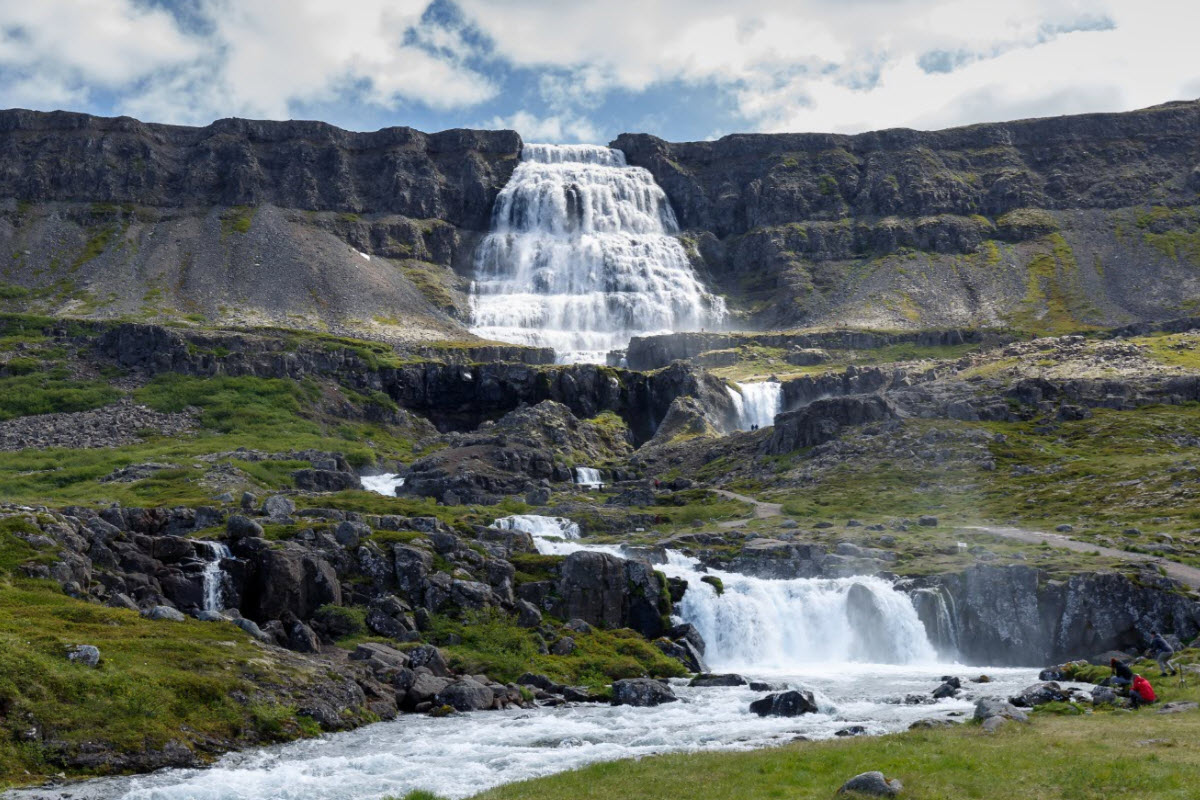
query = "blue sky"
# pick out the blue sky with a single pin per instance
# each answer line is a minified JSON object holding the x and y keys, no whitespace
{"x":558,"y":70}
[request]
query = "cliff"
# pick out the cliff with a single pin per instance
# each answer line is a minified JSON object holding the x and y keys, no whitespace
{"x":293,"y":223}
{"x":1046,"y":224}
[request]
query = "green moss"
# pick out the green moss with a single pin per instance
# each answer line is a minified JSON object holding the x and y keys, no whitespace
{"x":715,"y":582}
{"x":532,"y":567}
{"x":237,"y":219}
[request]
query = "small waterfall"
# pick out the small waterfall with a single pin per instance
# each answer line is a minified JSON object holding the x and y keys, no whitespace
{"x":588,"y":477}
{"x":935,"y":608}
{"x":385,"y":484}
{"x":581,"y":258}
{"x":213,"y":576}
{"x":756,"y":403}
{"x":757,"y":624}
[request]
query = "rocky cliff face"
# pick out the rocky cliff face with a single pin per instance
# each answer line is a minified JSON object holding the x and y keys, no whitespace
{"x":1015,"y":615}
{"x":296,"y":223}
{"x":1037,"y":223}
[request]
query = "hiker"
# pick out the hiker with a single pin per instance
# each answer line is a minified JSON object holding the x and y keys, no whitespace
{"x":1141,"y":693}
{"x":1122,"y":674}
{"x":1162,"y":653}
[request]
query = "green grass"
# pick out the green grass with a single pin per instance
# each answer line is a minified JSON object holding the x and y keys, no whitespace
{"x":48,"y":391}
{"x":1056,"y":757}
{"x":492,"y":643}
{"x":237,"y":220}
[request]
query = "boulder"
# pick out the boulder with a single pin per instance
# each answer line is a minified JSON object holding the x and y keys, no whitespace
{"x":944,"y":691}
{"x":683,"y":652}
{"x":278,"y":506}
{"x":424,"y":687}
{"x":612,"y":592}
{"x":1103,"y":695}
{"x":86,"y":654}
{"x":641,"y":692}
{"x":528,"y":615}
{"x":240,"y":527}
{"x":301,"y":638}
{"x":989,"y":707}
{"x":349,"y":534}
{"x":1178,"y":706}
{"x":293,"y":580}
{"x":711,"y":679}
{"x":165,"y":613}
{"x":429,"y":657}
{"x":1039,"y":694}
{"x":251,"y":627}
{"x":563,"y":647}
{"x":792,"y":703}
{"x":873,"y":784}
{"x":465,"y":694}
{"x":853,"y":730}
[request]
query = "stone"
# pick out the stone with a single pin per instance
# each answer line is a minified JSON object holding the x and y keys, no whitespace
{"x":165,"y":613}
{"x":349,"y":534}
{"x":944,"y":691}
{"x":248,"y":501}
{"x":251,"y":627}
{"x":1103,"y":695}
{"x":539,"y":496}
{"x":528,"y":615}
{"x":240,"y":527}
{"x":278,"y":506}
{"x":873,"y":784}
{"x":86,"y":654}
{"x":711,"y":679}
{"x":641,"y":692}
{"x":791,"y":703}
{"x":429,"y":657}
{"x":466,"y":694}
{"x":1178,"y":706}
{"x":853,"y":730}
{"x":424,"y":688}
{"x":563,"y":647}
{"x":930,"y":724}
{"x":988,"y":707}
{"x":1039,"y":694}
{"x":993,"y":724}
{"x":927,"y":521}
{"x":301,"y":638}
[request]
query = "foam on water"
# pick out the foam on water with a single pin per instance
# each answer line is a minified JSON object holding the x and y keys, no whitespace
{"x":756,"y":403}
{"x":588,"y":476}
{"x":581,"y":257}
{"x":385,"y":484}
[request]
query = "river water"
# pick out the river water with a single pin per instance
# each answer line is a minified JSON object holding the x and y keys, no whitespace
{"x":854,"y":642}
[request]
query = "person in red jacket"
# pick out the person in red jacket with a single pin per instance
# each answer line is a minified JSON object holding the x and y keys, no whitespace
{"x":1141,"y":693}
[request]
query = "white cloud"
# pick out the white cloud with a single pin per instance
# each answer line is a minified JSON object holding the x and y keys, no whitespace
{"x":554,"y":128}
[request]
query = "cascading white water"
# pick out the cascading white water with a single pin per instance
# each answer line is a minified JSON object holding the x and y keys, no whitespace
{"x":756,"y":403}
{"x":213,"y":575}
{"x":581,"y":257}
{"x":758,"y":624}
{"x":385,"y":484}
{"x":589,"y":477}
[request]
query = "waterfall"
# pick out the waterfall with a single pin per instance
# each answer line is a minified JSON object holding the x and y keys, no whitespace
{"x":385,"y":484}
{"x":756,"y":403}
{"x":213,"y":576}
{"x":935,"y":608}
{"x":589,"y":477}
{"x":581,"y":257}
{"x":757,"y":624}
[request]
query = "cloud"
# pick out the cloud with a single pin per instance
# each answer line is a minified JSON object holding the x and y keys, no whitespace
{"x":577,"y":70}
{"x":547,"y":129}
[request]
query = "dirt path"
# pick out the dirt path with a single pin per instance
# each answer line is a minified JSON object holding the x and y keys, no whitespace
{"x":761,"y":510}
{"x":1180,"y":572}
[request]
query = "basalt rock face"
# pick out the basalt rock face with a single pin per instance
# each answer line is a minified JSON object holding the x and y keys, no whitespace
{"x":822,"y":420}
{"x":1014,"y":615}
{"x":452,"y":176}
{"x":786,"y":218}
{"x":251,"y":222}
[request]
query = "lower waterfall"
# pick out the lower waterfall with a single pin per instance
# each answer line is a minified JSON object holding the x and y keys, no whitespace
{"x":756,"y":403}
{"x":588,"y":476}
{"x":775,"y":625}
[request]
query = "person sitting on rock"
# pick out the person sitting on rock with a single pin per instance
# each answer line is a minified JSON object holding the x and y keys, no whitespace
{"x":1122,"y":675}
{"x":1141,"y":693}
{"x":1162,"y":653}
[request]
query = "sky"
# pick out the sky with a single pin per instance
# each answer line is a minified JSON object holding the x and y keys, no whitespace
{"x":585,"y":70}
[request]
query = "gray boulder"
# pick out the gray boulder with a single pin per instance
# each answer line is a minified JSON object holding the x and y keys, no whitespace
{"x":792,"y":703}
{"x":278,"y":506}
{"x":641,"y":692}
{"x":86,"y":654}
{"x":240,"y":527}
{"x":251,"y":627}
{"x":1039,"y":694}
{"x":349,"y":534}
{"x":989,"y":707}
{"x":711,"y":679}
{"x":465,"y":694}
{"x":429,"y":657}
{"x":1103,"y":695}
{"x":164,"y":613}
{"x":873,"y":784}
{"x":528,"y":615}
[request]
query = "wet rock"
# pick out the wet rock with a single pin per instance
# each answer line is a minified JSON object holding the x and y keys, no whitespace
{"x":944,"y":691}
{"x":641,"y":692}
{"x":465,"y":694}
{"x":683,"y":652}
{"x":1039,"y":694}
{"x":711,"y":679}
{"x":792,"y":703}
{"x":873,"y":784}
